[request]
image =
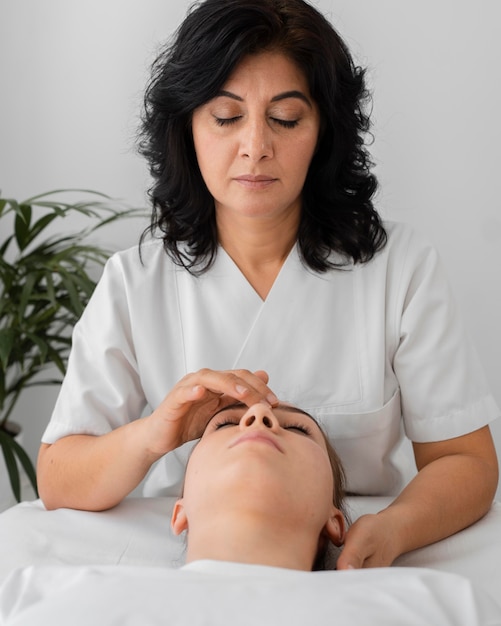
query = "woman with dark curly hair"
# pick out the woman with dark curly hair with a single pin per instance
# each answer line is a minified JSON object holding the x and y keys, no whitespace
{"x":270,"y":263}
{"x":191,"y":72}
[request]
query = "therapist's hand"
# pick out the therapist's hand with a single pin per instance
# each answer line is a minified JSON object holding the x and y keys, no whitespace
{"x":95,"y":473}
{"x":370,"y":542}
{"x":453,"y":488}
{"x":188,"y":407}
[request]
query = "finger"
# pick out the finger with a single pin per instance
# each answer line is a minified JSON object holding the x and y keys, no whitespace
{"x":253,"y":387}
{"x":262,"y":375}
{"x":348,"y":560}
{"x":356,"y":549}
{"x":241,"y":385}
{"x":182,"y":397}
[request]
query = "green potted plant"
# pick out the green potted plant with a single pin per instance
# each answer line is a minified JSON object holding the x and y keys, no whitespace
{"x":45,"y":282}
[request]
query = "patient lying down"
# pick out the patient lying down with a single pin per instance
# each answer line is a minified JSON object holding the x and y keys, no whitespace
{"x":263,"y":486}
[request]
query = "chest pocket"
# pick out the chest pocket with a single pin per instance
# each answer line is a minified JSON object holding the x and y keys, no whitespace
{"x":370,"y":445}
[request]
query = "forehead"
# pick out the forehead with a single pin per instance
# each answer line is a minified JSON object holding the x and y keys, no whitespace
{"x":264,"y":68}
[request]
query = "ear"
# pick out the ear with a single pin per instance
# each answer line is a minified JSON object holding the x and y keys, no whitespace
{"x":335,"y":527}
{"x":178,"y":521}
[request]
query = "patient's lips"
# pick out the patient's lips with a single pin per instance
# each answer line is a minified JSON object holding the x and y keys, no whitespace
{"x":257,"y":437}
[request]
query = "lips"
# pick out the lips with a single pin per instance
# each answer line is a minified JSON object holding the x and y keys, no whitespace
{"x":257,"y":438}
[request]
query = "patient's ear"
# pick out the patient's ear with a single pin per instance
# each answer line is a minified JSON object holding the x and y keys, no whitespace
{"x":178,"y":521}
{"x":335,"y":527}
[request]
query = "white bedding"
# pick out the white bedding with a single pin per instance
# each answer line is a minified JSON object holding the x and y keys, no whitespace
{"x":116,"y":567}
{"x":220,"y":594}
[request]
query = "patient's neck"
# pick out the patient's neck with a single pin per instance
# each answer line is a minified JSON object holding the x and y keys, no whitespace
{"x":251,"y":540}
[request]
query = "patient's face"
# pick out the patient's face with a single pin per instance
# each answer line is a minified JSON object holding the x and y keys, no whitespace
{"x":259,"y":459}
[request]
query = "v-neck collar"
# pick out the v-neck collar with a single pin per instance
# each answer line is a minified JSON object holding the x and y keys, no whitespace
{"x":226,"y":325}
{"x":225,"y":260}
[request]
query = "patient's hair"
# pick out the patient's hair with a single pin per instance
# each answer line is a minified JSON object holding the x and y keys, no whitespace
{"x":338,"y":213}
{"x":338,"y":474}
{"x":327,"y":552}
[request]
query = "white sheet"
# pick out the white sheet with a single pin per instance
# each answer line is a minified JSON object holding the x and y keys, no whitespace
{"x":136,"y":533}
{"x":228,"y":594}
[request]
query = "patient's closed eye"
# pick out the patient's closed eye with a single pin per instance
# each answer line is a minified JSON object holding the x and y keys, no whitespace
{"x":297,"y":427}
{"x":300,"y":428}
{"x":226,"y":422}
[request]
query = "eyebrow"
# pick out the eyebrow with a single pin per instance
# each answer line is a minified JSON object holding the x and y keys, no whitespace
{"x":281,"y":96}
{"x":283,"y":407}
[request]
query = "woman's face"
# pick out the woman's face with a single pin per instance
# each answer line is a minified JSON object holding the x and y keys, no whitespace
{"x":255,"y":140}
{"x":264,"y":461}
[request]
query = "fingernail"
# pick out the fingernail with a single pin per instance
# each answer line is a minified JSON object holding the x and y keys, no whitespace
{"x":272,"y":398}
{"x":240,"y":390}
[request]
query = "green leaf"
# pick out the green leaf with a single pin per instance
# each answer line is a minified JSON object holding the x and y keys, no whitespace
{"x":22,"y":225}
{"x":7,"y":338}
{"x":26,"y":293}
{"x":45,"y":282}
{"x":77,"y":305}
{"x":40,"y":225}
{"x":66,"y":191}
{"x":5,"y":245}
{"x":26,"y":464}
{"x":55,"y":357}
{"x":51,"y":292}
{"x":11,"y":449}
{"x":2,"y":390}
{"x":42,"y":346}
{"x":6,"y":442}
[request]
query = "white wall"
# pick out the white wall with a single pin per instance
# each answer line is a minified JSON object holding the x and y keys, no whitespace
{"x":72,"y":74}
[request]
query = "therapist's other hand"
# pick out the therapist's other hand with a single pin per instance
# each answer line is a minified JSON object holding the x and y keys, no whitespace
{"x":184,"y":413}
{"x":370,"y":542}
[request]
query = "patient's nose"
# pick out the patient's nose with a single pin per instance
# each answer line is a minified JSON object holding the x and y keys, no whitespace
{"x":259,"y":416}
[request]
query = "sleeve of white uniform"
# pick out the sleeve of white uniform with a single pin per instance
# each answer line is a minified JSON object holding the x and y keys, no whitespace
{"x":101,"y":389}
{"x":443,"y":388}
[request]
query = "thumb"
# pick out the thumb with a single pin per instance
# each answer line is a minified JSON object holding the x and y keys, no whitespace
{"x":349,"y":559}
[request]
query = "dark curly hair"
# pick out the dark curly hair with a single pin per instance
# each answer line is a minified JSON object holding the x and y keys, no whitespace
{"x":337,"y":209}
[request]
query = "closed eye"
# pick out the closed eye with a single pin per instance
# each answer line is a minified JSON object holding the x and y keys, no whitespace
{"x":285,"y":123}
{"x":299,"y":428}
{"x":226,"y":121}
{"x":225,"y":422}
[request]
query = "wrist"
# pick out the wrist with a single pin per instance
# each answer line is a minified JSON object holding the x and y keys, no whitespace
{"x":156,"y":438}
{"x":395,"y":528}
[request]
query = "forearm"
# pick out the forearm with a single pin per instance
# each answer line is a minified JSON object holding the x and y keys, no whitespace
{"x":94,"y":473}
{"x":454,"y":487}
{"x":446,"y":496}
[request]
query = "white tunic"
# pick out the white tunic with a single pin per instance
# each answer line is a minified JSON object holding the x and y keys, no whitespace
{"x":359,"y":348}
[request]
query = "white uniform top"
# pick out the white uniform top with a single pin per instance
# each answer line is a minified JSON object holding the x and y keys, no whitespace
{"x":358,"y":348}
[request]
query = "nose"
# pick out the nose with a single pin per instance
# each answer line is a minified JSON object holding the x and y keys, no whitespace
{"x":256,"y":141}
{"x":259,"y":416}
